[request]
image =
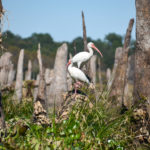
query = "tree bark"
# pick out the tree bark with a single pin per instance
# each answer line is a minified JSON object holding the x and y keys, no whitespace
{"x":100,"y":74}
{"x":118,"y":84}
{"x":59,"y":82}
{"x":142,"y":53}
{"x":35,"y":93}
{"x":93,"y":69}
{"x":40,"y":105}
{"x":118,"y":55}
{"x":108,"y":77}
{"x":5,"y":67}
{"x":19,"y":77}
{"x":128,"y":90}
{"x":86,"y":68}
{"x":11,"y":75}
{"x":84,"y":33}
{"x":29,"y":71}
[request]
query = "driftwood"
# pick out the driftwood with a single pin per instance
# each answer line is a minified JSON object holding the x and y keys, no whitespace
{"x":29,"y":71}
{"x":19,"y":77}
{"x":118,"y":84}
{"x":59,"y":82}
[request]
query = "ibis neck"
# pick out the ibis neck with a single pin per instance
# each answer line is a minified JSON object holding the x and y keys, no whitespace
{"x":69,"y":67}
{"x":90,"y":51}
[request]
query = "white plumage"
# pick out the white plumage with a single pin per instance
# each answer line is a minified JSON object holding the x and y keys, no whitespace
{"x":85,"y":56}
{"x":76,"y":73}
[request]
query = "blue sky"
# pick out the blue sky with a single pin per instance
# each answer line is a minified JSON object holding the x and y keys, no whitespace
{"x":62,"y":18}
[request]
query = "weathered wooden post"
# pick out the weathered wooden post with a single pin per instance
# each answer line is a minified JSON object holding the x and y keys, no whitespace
{"x":108,"y":77}
{"x":11,"y":75}
{"x":128,"y":91}
{"x":93,"y":69}
{"x":100,"y":74}
{"x":36,"y":87}
{"x":118,"y":55}
{"x":59,"y":82}
{"x":40,"y":105}
{"x":86,"y":67}
{"x":29,"y":71}
{"x":142,"y":53}
{"x":19,"y":77}
{"x":118,"y":84}
{"x":5,"y":67}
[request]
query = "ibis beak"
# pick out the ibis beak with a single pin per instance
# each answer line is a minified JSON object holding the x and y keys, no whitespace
{"x":97,"y":50}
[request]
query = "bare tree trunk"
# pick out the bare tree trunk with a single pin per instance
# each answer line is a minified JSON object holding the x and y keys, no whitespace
{"x":40,"y":58}
{"x":35,"y":93}
{"x":118,"y":55}
{"x":100,"y":74}
{"x":47,"y":75}
{"x":48,"y":80}
{"x":5,"y":67}
{"x":59,"y":82}
{"x":29,"y":71}
{"x":119,"y":81}
{"x":108,"y":77}
{"x":11,"y":75}
{"x":93,"y":69}
{"x":85,"y":68}
{"x":40,"y":113}
{"x":128,"y":91}
{"x":142,"y":54}
{"x":84,"y":33}
{"x":19,"y":77}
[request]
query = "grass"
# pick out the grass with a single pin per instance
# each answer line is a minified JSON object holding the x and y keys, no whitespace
{"x":91,"y":125}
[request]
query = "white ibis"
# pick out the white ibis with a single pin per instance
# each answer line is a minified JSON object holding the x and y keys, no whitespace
{"x":85,"y":56}
{"x":77,"y":75}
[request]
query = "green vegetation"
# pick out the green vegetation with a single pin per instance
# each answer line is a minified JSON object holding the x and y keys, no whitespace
{"x":14,"y":43}
{"x":94,"y":124}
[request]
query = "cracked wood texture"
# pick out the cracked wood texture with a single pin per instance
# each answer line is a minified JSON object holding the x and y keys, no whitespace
{"x":59,"y":83}
{"x":118,"y":84}
{"x":19,"y":76}
{"x":142,"y":54}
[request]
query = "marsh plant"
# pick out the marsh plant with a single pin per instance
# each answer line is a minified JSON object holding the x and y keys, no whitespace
{"x":90,"y":125}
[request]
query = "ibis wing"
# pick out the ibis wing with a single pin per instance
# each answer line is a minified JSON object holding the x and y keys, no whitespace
{"x":78,"y":75}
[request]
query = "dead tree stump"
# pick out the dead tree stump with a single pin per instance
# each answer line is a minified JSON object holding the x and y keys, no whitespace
{"x":40,"y":105}
{"x":5,"y":68}
{"x":19,"y":77}
{"x":142,"y":53}
{"x":93,"y":69}
{"x":59,"y":82}
{"x":29,"y":71}
{"x":118,"y":84}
